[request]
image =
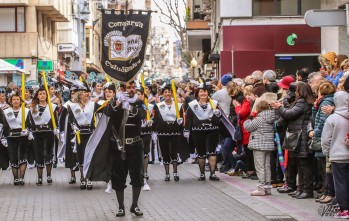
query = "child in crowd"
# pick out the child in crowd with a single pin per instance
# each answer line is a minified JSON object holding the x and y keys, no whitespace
{"x":262,"y":144}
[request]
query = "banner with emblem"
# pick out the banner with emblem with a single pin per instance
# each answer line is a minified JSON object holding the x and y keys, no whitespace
{"x":124,"y":39}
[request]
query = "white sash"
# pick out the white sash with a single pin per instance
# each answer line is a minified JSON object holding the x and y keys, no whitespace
{"x":100,"y":102}
{"x":65,"y":105}
{"x":166,"y":113}
{"x":200,"y":113}
{"x":13,"y":121}
{"x":45,"y":117}
{"x":83,"y":117}
{"x":150,"y":108}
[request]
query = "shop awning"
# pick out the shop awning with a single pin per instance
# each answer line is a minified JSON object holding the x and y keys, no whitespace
{"x":7,"y":68}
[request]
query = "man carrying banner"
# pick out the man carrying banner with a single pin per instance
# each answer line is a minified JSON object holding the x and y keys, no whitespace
{"x":133,"y":162}
{"x":117,"y":136}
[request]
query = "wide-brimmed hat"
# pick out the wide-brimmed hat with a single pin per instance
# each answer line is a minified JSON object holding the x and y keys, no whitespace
{"x":285,"y":82}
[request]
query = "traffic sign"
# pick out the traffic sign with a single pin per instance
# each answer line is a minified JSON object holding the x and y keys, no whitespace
{"x":45,"y":65}
{"x":325,"y":18}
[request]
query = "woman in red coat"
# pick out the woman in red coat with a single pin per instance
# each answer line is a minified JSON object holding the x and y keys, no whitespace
{"x":243,"y":111}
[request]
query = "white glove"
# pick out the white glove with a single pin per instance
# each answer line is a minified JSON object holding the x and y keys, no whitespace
{"x":24,"y":133}
{"x":154,"y":136}
{"x":30,"y":136}
{"x":180,"y":121}
{"x":126,"y":105}
{"x":56,"y":132}
{"x":186,"y":133}
{"x":4,"y":142}
{"x":122,"y":97}
{"x":61,"y":137}
{"x":217,"y":113}
{"x":75,"y":128}
{"x":150,"y":123}
{"x":144,"y":123}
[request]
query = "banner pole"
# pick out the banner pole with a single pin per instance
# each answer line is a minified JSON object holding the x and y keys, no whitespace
{"x":23,"y":103}
{"x":49,"y":100}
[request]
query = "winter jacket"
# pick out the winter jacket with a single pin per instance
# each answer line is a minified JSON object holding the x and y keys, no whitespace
{"x":243,"y":112}
{"x":297,"y":117}
{"x":272,"y":87}
{"x":336,"y":129}
{"x":319,"y":116}
{"x":258,"y":88}
{"x":261,"y":131}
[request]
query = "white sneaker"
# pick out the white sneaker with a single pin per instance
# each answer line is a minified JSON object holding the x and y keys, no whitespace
{"x":146,"y":187}
{"x":30,"y":166}
{"x":109,"y":188}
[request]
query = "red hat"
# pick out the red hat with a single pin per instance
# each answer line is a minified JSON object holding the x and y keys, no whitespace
{"x":285,"y":82}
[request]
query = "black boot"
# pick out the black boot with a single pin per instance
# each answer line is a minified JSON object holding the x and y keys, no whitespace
{"x":120,"y":198}
{"x":135,"y":196}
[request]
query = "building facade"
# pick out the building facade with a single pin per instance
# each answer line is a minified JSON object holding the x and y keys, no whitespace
{"x":28,"y":35}
{"x":262,"y":34}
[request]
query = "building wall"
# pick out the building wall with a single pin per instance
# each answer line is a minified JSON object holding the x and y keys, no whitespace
{"x":334,"y":38}
{"x":38,"y":42}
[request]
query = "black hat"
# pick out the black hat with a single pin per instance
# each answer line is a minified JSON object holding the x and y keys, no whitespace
{"x":2,"y":90}
{"x":166,"y":87}
{"x":110,"y":86}
{"x":140,"y":89}
{"x":29,"y":88}
{"x":74,"y":87}
{"x":205,"y":85}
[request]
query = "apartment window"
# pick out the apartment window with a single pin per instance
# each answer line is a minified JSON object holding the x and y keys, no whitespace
{"x":283,"y":7}
{"x":12,"y":19}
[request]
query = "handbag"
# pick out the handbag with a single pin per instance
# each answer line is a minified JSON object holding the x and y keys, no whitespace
{"x":315,"y":144}
{"x":238,"y":132}
{"x":291,"y":140}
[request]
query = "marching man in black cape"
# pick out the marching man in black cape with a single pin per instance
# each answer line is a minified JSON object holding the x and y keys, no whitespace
{"x":116,"y":148}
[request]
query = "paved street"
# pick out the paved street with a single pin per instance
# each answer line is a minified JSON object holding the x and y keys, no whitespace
{"x":187,"y":199}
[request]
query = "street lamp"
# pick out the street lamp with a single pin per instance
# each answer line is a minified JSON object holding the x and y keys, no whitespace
{"x":193,"y":65}
{"x":85,"y":10}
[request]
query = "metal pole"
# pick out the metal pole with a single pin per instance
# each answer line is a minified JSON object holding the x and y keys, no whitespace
{"x":79,"y":34}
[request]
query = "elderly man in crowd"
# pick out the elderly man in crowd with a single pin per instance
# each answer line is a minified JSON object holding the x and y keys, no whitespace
{"x":269,"y":80}
{"x":258,"y":86}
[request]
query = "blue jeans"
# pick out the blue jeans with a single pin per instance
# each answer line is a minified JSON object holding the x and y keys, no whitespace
{"x":227,"y":152}
{"x":240,"y":165}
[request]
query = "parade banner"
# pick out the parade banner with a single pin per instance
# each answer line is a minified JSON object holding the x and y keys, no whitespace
{"x":124,"y":39}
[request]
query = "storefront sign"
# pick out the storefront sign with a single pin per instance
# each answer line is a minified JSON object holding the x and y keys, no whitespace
{"x":291,"y":39}
{"x":66,"y":48}
{"x":19,"y":63}
{"x":45,"y":65}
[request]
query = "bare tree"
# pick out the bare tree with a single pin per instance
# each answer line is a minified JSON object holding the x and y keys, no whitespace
{"x":170,"y":15}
